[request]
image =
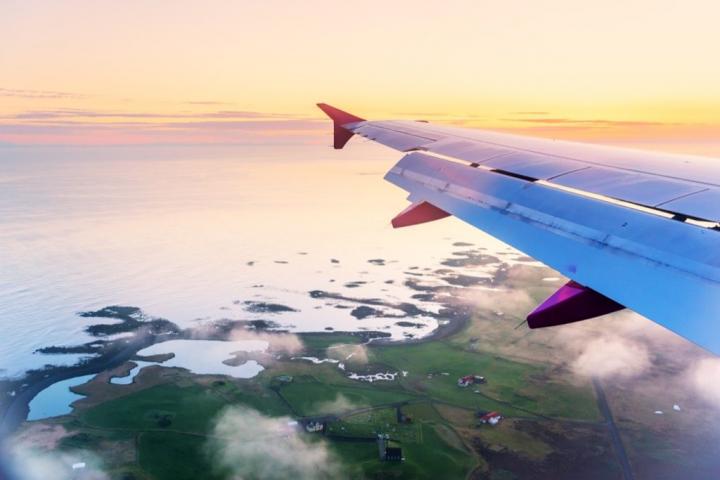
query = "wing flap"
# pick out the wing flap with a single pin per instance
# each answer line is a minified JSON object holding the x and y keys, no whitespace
{"x":648,"y":179}
{"x":632,"y":187}
{"x":397,"y":140}
{"x":534,"y":165}
{"x":469,"y":151}
{"x":705,"y":204}
{"x":692,"y":168}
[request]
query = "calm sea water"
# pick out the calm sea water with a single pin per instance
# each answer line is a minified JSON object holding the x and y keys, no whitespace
{"x":186,"y":232}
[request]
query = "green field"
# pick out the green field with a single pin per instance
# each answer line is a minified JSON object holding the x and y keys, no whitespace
{"x":433,"y":369}
{"x":189,"y":409}
{"x":320,"y":341}
{"x":175,"y":455}
{"x":369,"y":424}
{"x":311,"y":397}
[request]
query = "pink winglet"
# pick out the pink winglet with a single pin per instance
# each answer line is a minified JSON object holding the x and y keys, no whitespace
{"x":340,"y":135}
{"x":571,"y":303}
{"x":420,"y":212}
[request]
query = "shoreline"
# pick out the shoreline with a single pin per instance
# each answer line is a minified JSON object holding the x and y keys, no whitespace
{"x":17,"y":410}
{"x":147,"y":331}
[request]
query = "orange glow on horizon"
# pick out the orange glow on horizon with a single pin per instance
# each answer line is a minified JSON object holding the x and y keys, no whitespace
{"x":222,"y":72}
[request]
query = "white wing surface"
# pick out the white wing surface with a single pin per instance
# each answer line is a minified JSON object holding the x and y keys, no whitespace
{"x":631,"y":229}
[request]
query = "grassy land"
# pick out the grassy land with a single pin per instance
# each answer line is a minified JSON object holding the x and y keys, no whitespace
{"x":175,"y":455}
{"x":175,"y":449}
{"x":512,"y":387}
{"x":187,"y":409}
{"x":320,"y":341}
{"x":370,"y":424}
{"x":308,"y":396}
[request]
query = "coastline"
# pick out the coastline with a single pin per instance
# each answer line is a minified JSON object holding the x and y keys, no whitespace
{"x":452,"y":317}
{"x":33,"y":382}
{"x":15,"y":413}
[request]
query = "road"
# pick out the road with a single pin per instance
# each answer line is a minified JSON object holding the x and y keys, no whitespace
{"x":612,"y":428}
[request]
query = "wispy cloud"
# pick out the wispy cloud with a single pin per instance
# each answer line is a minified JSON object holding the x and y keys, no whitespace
{"x":514,"y":301}
{"x":45,"y":94}
{"x":530,"y":113}
{"x":340,"y":404}
{"x":703,"y":378}
{"x":284,"y":343}
{"x":97,"y":127}
{"x":64,"y":113}
{"x":585,"y":122}
{"x":31,"y":463}
{"x":612,"y":356}
{"x":206,"y":102}
{"x":90,"y":126}
{"x":246,"y":125}
{"x":439,"y":115}
{"x":618,"y":347}
{"x":348,"y":352}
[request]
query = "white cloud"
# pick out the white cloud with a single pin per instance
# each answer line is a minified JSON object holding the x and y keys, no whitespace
{"x":287,"y":343}
{"x":248,"y":444}
{"x":612,"y":355}
{"x":704,"y":377}
{"x":348,"y":352}
{"x":339,"y":405}
{"x":614,"y":345}
{"x":511,"y":301}
{"x":27,"y":463}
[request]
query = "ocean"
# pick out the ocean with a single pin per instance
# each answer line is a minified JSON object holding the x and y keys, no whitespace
{"x":190,"y":233}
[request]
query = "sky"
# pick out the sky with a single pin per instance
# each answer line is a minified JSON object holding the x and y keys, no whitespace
{"x":136,"y":72}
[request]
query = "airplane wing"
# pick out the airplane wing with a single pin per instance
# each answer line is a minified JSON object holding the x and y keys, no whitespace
{"x":632,"y":229}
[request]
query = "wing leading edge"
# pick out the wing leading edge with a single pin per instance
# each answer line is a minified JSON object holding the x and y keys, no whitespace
{"x":615,"y":232}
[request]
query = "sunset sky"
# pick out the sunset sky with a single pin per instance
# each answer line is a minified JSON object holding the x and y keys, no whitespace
{"x":102,"y":72}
